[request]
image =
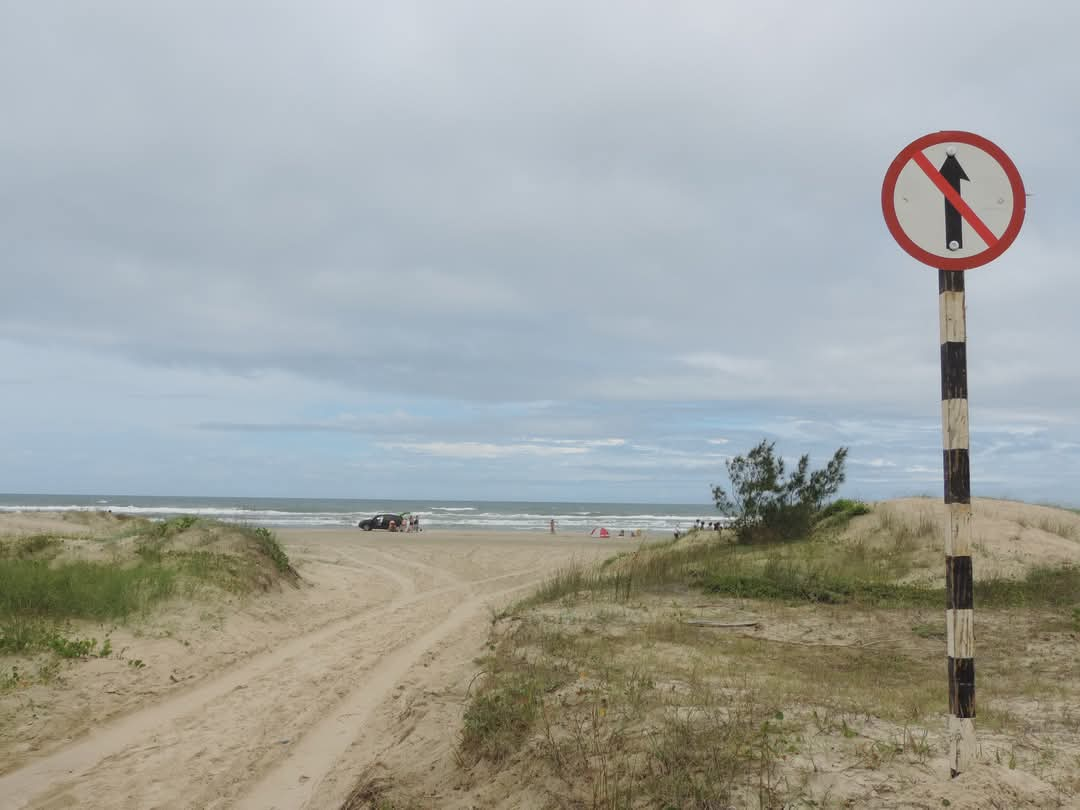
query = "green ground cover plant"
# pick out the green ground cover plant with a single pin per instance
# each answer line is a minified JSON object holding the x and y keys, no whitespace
{"x":817,"y":570}
{"x":42,"y":592}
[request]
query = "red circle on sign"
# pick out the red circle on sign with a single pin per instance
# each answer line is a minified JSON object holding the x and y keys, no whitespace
{"x":888,"y":205}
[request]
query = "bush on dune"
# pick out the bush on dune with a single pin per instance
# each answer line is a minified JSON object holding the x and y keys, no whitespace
{"x":768,"y":505}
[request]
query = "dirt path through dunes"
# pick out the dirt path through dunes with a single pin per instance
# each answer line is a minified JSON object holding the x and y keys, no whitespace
{"x":276,"y":729}
{"x":291,"y":784}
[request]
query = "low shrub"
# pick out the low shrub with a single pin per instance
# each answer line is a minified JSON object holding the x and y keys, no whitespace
{"x":267,"y":543}
{"x":845,"y":509}
{"x":770,"y":503}
{"x":174,"y":525}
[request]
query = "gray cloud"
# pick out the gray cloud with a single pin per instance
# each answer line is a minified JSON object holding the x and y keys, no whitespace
{"x":477,"y":202}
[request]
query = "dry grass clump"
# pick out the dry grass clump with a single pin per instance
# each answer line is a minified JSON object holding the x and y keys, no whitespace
{"x":632,"y":707}
{"x":1052,"y":524}
{"x":592,"y":708}
{"x":907,"y":532}
{"x":599,"y":678}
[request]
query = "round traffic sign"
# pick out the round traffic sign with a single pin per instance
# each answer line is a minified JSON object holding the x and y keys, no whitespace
{"x":953,"y":200}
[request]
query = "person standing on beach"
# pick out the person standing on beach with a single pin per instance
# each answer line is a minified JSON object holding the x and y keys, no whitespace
{"x":551,"y":525}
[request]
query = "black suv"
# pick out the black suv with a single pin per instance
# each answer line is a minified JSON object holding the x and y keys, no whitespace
{"x":384,"y":521}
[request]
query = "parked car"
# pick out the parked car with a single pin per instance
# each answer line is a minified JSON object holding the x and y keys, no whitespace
{"x":383,"y":521}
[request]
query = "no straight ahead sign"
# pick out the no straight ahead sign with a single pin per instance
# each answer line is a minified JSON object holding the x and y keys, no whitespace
{"x":953,"y":200}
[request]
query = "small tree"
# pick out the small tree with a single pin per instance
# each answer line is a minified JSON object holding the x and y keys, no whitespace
{"x":768,"y":506}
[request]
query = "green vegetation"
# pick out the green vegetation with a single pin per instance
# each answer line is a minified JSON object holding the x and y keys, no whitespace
{"x":934,"y":631}
{"x":80,"y":590}
{"x":600,"y":675}
{"x":31,"y":545}
{"x":839,"y":513}
{"x":228,"y":570}
{"x":168,"y":528}
{"x":268,"y":544}
{"x":1042,"y":586}
{"x":767,"y":506}
{"x":650,"y":567}
{"x":586,"y":701}
{"x":43,"y":589}
{"x":371,"y":794}
{"x":22,"y":637}
{"x":498,"y":720}
{"x":786,"y":580}
{"x":624,"y":726}
{"x":819,"y":571}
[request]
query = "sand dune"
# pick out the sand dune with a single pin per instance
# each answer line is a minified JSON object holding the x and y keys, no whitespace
{"x":286,"y":699}
{"x":270,"y":701}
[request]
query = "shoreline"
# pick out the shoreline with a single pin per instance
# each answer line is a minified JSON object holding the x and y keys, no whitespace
{"x":375,"y":623}
{"x":294,"y":533}
{"x":576,"y":517}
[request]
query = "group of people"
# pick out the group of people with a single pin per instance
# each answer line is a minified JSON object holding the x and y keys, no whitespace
{"x":410,"y":523}
{"x":701,"y":525}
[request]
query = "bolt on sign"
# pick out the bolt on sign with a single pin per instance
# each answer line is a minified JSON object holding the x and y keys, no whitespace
{"x":955,"y":201}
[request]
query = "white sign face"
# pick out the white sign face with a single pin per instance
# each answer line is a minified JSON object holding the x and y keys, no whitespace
{"x":953,"y":200}
{"x":923,"y":211}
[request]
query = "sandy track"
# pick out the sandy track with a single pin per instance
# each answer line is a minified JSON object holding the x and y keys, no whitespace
{"x":288,"y":728}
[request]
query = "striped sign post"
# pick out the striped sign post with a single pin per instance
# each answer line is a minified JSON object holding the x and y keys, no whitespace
{"x":954,"y":201}
{"x":959,"y":586}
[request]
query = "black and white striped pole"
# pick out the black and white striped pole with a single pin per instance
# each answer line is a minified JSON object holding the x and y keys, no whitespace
{"x":959,"y":585}
{"x":984,"y":206}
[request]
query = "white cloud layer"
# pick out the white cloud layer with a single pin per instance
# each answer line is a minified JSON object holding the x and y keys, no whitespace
{"x":486,"y":450}
{"x":580,"y":239}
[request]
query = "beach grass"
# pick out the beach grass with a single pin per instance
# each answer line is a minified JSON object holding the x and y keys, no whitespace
{"x":42,"y":591}
{"x":600,"y":676}
{"x":817,"y":570}
{"x":81,"y":590}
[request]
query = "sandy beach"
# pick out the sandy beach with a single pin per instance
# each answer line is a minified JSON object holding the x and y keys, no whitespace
{"x":282,"y":700}
{"x":357,"y":677}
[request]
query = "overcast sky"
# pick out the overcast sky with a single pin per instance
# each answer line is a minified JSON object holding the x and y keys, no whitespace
{"x":518,"y":250}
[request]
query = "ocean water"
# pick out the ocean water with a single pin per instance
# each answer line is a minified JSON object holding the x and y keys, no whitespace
{"x":337,"y":513}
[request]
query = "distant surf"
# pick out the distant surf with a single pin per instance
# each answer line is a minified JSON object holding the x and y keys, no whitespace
{"x":570,"y":517}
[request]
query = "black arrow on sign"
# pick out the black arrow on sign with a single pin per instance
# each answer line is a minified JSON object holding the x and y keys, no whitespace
{"x":953,"y":173}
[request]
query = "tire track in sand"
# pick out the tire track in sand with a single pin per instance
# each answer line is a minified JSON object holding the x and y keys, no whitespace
{"x":117,"y":743}
{"x":21,"y":784}
{"x":291,"y":784}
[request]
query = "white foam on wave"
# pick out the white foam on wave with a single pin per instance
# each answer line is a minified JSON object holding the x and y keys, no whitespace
{"x":70,"y":508}
{"x":269,"y":516}
{"x":438,"y":517}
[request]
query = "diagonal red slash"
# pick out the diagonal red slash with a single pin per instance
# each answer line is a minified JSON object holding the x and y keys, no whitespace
{"x":957,"y":201}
